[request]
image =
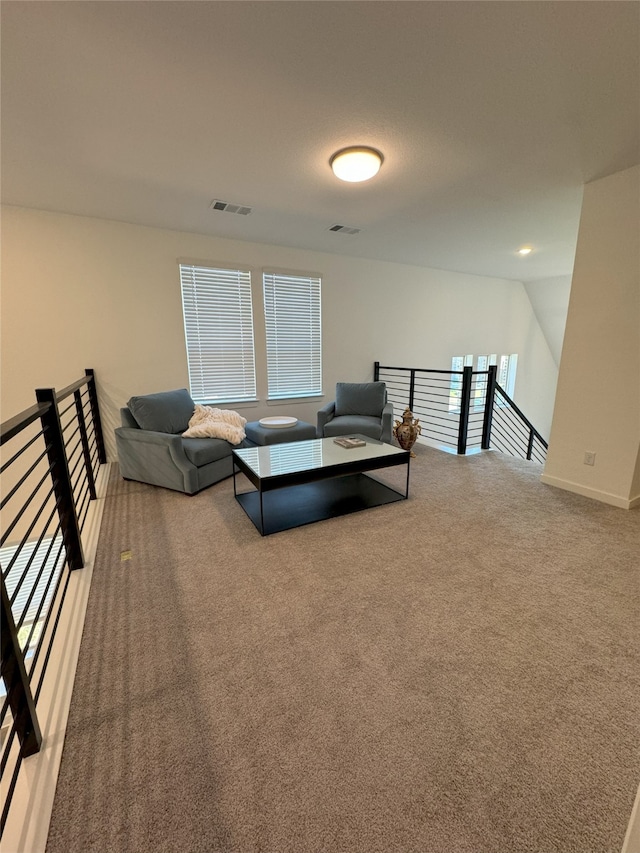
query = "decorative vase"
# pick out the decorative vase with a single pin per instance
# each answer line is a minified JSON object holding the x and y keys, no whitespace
{"x":407,"y":430}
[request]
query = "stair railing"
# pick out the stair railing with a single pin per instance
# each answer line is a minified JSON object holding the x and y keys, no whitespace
{"x":53,"y":452}
{"x":463,"y":410}
{"x":506,"y":427}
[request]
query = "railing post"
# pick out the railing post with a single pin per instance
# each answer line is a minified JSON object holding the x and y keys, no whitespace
{"x":85,"y":444}
{"x":488,"y":407}
{"x":465,"y":403}
{"x":530,"y":445}
{"x":61,"y":479}
{"x":16,"y":682}
{"x":95,"y":414}
{"x":412,"y":387}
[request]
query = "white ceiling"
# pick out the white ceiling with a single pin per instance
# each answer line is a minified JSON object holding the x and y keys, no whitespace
{"x":490,"y":115}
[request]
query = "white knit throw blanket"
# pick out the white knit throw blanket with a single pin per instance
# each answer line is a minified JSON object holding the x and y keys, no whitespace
{"x":207,"y":422}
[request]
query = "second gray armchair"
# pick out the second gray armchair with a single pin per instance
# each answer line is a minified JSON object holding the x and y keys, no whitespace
{"x":359,"y":407}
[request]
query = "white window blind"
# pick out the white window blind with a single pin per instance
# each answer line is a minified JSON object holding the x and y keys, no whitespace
{"x":294,"y":335}
{"x":218,"y":326}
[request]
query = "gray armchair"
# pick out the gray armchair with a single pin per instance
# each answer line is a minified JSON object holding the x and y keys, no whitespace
{"x":359,"y":407}
{"x":151,"y":448}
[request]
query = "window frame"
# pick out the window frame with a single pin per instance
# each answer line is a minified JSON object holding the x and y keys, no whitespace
{"x":205,"y":373}
{"x":286,"y":350}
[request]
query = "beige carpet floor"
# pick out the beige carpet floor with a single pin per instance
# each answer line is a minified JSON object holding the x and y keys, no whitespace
{"x":455,"y":673}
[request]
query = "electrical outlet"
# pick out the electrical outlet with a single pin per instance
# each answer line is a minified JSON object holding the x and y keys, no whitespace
{"x":589,"y":458}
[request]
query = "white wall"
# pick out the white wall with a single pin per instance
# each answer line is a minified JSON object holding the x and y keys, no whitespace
{"x":81,"y":292}
{"x":549,"y":299}
{"x":598,"y":398}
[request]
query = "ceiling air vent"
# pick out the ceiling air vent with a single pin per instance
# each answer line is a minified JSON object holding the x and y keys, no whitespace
{"x":240,"y":209}
{"x":344,"y":229}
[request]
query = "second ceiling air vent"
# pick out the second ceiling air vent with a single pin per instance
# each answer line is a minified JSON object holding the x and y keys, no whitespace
{"x":225,"y":206}
{"x":344,"y":229}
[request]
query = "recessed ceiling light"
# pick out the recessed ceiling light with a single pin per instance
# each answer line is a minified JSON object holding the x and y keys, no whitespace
{"x":525,"y":250}
{"x":356,"y":164}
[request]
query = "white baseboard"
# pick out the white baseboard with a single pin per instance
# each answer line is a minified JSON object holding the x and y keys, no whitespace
{"x":631,"y":842}
{"x":27,"y":825}
{"x":588,"y":492}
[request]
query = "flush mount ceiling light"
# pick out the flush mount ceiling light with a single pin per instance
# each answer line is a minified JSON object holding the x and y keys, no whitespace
{"x":525,"y":250}
{"x":356,"y":164}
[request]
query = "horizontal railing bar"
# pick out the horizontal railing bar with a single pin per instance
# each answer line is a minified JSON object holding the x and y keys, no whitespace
{"x":506,"y":424}
{"x":438,"y":433}
{"x":54,"y":628}
{"x":8,"y":496}
{"x":22,"y":543}
{"x":9,"y":429}
{"x":14,"y":778}
{"x":435,"y":394}
{"x":27,"y":567}
{"x":443,"y":417}
{"x":18,"y":454}
{"x":72,"y":435}
{"x":422,"y":370}
{"x":505,"y":438}
{"x":22,"y":510}
{"x":5,"y":708}
{"x":508,"y":414}
{"x":79,"y":461}
{"x":74,"y":453}
{"x":84,"y":508}
{"x":56,"y":572}
{"x":60,"y":395}
{"x":436,"y":382}
{"x":79,"y":488}
{"x":42,"y":568}
{"x":514,"y":426}
{"x":6,"y":751}
{"x":62,"y":412}
{"x":59,"y":570}
{"x":430,"y":371}
{"x":503,"y":428}
{"x":524,"y":417}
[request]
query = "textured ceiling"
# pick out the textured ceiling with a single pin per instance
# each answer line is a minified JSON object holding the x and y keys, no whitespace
{"x":491,"y":116}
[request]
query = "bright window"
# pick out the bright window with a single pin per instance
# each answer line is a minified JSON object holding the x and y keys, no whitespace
{"x":506,"y":374}
{"x":479,"y":390}
{"x":458,"y":362}
{"x":505,"y":377}
{"x":294,"y":335}
{"x":218,"y":325}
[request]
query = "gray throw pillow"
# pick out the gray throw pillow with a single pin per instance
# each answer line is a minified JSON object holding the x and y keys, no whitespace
{"x":166,"y":411}
{"x":360,"y":398}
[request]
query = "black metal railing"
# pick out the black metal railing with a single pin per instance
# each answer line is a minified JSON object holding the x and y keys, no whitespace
{"x":51,"y":455}
{"x":511,"y":432}
{"x":464,"y":410}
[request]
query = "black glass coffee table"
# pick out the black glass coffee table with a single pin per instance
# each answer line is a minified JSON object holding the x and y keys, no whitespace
{"x":306,"y":481}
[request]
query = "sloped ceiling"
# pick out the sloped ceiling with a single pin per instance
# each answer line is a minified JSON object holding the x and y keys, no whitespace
{"x":549,"y":299}
{"x":490,"y":115}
